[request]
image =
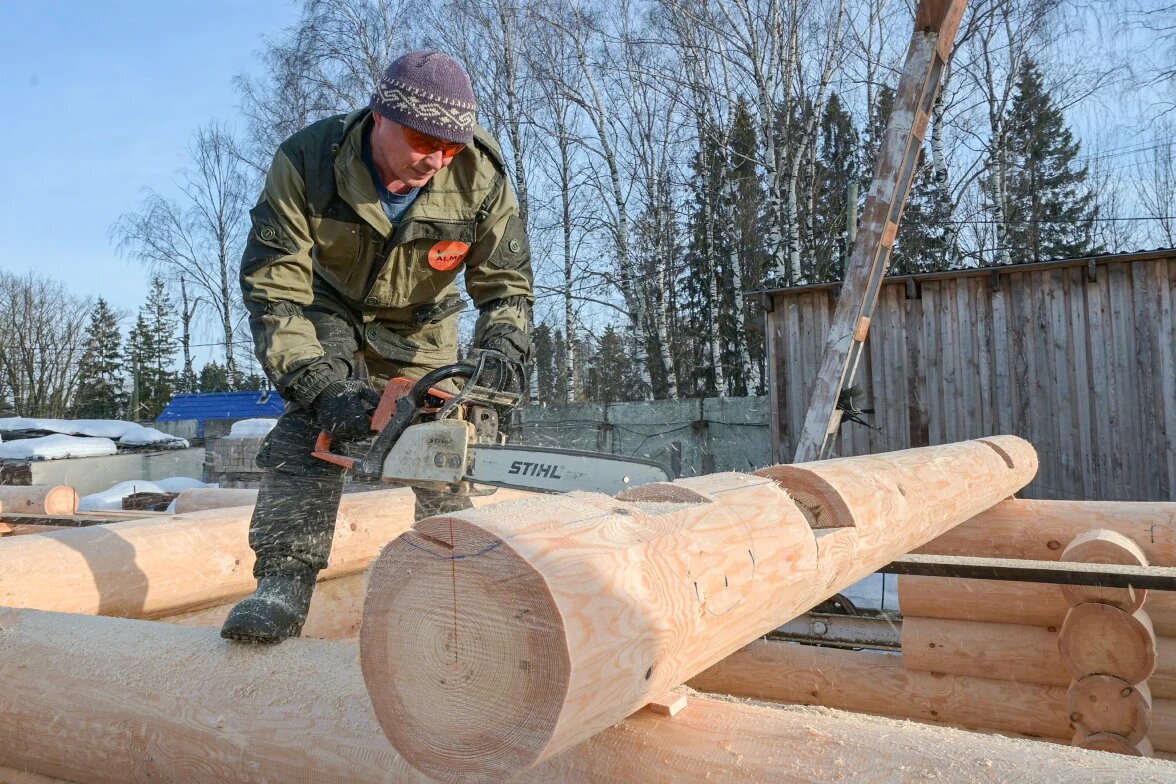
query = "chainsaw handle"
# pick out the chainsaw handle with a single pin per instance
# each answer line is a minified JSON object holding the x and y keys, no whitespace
{"x":391,"y":423}
{"x":322,"y":450}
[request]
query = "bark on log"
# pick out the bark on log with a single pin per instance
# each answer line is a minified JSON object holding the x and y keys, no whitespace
{"x":1106,"y":704}
{"x":1104,"y":639}
{"x":335,"y":610}
{"x":1103,"y":546}
{"x":1001,"y":601}
{"x":165,"y":565}
{"x":878,"y":683}
{"x":1040,"y":530}
{"x":151,"y":702}
{"x":199,"y":499}
{"x":540,"y":624}
{"x":38,"y":499}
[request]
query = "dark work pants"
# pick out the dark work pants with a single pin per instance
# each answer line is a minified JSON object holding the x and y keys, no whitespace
{"x":294,"y":520}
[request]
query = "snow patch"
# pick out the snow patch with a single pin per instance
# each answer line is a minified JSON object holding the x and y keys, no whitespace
{"x":127,"y":433}
{"x":252,"y":428}
{"x":112,"y":499}
{"x":878,"y":592}
{"x":55,"y":447}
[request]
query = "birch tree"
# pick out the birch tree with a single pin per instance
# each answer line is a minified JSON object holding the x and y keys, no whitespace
{"x":198,"y":237}
{"x":42,"y":339}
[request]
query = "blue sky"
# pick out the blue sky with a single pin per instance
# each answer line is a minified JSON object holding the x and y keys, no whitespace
{"x":99,"y":102}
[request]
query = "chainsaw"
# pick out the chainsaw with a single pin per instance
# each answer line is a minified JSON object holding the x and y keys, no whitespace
{"x":450,"y":441}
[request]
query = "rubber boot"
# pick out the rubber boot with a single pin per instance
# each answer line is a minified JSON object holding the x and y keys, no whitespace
{"x":275,"y":611}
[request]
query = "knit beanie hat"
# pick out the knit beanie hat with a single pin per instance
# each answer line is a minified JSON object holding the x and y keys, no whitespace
{"x":429,"y":92}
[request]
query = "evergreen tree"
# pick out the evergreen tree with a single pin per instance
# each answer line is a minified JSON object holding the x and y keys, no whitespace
{"x":612,"y":374}
{"x":543,"y":361}
{"x":100,"y":373}
{"x":838,"y":166}
{"x":214,"y":377}
{"x":919,"y":246}
{"x":151,"y":349}
{"x":1050,"y":208}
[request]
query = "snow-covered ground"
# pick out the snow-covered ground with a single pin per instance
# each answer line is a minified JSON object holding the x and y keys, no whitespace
{"x":97,"y":430}
{"x":112,"y":499}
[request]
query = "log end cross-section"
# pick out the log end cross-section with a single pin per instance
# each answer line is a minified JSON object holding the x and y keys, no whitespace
{"x":469,"y":641}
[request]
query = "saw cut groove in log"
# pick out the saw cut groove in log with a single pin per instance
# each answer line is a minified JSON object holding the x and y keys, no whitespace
{"x":1000,"y":601}
{"x":1104,"y":546}
{"x":533,"y":626}
{"x":170,"y":564}
{"x":873,"y":490}
{"x":1040,"y":530}
{"x":38,"y":499}
{"x":1104,"y":703}
{"x":1099,"y":638}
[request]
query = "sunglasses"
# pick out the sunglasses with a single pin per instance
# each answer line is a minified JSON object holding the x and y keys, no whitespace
{"x":425,"y":144}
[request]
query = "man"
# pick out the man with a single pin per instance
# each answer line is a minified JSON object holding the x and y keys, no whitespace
{"x":365,"y":221}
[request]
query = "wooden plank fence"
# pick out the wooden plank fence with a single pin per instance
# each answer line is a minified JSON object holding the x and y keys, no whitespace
{"x":1077,"y":356}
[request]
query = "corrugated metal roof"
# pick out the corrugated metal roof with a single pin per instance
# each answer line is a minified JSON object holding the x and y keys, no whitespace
{"x":223,"y":405}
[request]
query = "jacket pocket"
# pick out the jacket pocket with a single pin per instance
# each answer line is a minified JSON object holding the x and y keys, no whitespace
{"x":343,"y":255}
{"x":408,"y":279}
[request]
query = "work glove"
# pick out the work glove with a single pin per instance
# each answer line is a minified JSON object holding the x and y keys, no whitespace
{"x":500,"y":371}
{"x":344,"y":409}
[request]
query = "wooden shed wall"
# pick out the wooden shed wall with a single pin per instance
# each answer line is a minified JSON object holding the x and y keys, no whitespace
{"x":1080,"y":359}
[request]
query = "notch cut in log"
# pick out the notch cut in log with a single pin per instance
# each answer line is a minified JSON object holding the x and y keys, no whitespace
{"x":536,"y":625}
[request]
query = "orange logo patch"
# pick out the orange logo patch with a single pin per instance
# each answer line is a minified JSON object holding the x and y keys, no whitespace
{"x":447,"y":254}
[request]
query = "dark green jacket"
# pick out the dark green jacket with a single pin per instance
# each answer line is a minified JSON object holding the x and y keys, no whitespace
{"x":320,"y":237}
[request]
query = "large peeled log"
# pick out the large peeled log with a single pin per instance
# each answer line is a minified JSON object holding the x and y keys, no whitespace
{"x":160,"y":566}
{"x":534,"y":626}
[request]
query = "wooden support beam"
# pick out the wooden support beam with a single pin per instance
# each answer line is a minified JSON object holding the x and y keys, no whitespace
{"x":199,"y":499}
{"x":1005,"y":651}
{"x":38,"y":499}
{"x":1033,"y":604}
{"x":998,"y":650}
{"x":150,"y":702}
{"x":1040,"y":530}
{"x":546,"y":621}
{"x":926,"y":60}
{"x":878,"y":683}
{"x":171,"y":564}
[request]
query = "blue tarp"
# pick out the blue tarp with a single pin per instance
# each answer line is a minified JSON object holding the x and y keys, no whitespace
{"x":222,"y":405}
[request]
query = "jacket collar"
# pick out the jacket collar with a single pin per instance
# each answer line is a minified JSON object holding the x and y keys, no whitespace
{"x":352,"y":175}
